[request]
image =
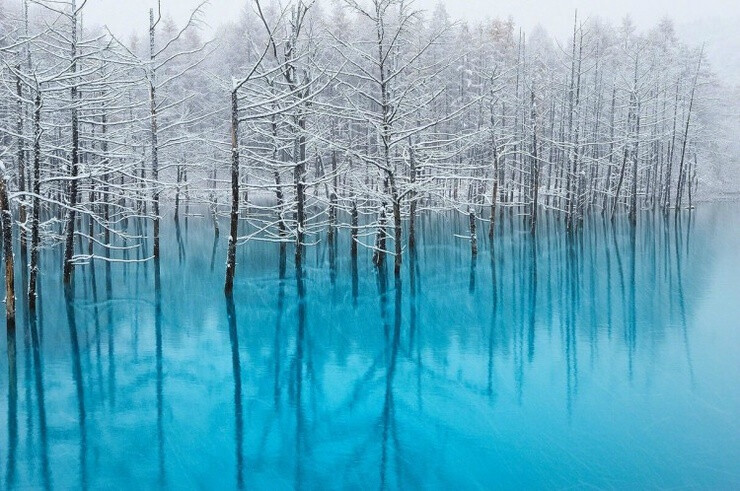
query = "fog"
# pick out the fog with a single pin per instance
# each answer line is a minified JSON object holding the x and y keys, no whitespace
{"x":711,"y":21}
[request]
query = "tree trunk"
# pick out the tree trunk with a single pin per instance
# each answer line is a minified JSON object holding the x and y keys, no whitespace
{"x":473,"y":233}
{"x":535,"y":171}
{"x":154,"y":135}
{"x":36,"y":210}
{"x":7,"y":224}
{"x":635,"y":151}
{"x":71,"y":218}
{"x":21,"y":156}
{"x":233,"y":229}
{"x":681,"y":171}
{"x":412,"y":198}
{"x":333,"y":199}
{"x":380,"y":240}
{"x":354,"y":230}
{"x":299,"y":177}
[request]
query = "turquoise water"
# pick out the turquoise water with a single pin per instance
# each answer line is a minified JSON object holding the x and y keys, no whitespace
{"x":606,"y":360}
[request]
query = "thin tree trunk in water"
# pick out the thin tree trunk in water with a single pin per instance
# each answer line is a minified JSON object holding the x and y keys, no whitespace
{"x":576,"y":210}
{"x":412,"y":198}
{"x":692,"y":182}
{"x":7,"y":224}
{"x":36,"y":211}
{"x":354,"y":229}
{"x":635,"y":161}
{"x":186,"y":186}
{"x":473,"y":233}
{"x":106,"y":188}
{"x":595,"y":149}
{"x":571,"y":100}
{"x":501,"y":178}
{"x":380,"y":240}
{"x":333,"y":199}
{"x":494,"y":190}
{"x":278,"y":186}
{"x":214,"y":203}
{"x":398,"y":233}
{"x":630,"y":116}
{"x":681,"y":172}
{"x":177,"y":193}
{"x":671,"y":150}
{"x":91,"y":226}
{"x":620,"y":181}
{"x":635,"y":152}
{"x":535,"y":168}
{"x":75,"y":159}
{"x":300,"y":189}
{"x":21,"y":164}
{"x":233,"y":228}
{"x":154,"y":136}
{"x":608,"y":180}
{"x":280,"y":204}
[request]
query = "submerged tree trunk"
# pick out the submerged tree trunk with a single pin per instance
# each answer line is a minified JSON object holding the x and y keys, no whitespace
{"x":278,"y":185}
{"x":154,"y":135}
{"x":178,"y":187}
{"x":7,"y":225}
{"x":234,"y":221}
{"x":535,"y":171}
{"x":299,"y":177}
{"x":473,"y":233}
{"x":635,"y":162}
{"x":671,"y":150}
{"x":21,"y":156}
{"x":412,"y":198}
{"x":106,"y":185}
{"x":214,"y":203}
{"x":354,"y":228}
{"x":608,"y":179}
{"x":630,"y":117}
{"x":333,"y":198}
{"x":494,"y":190}
{"x":380,"y":240}
{"x":635,"y":152}
{"x":681,"y":170}
{"x":397,"y":234}
{"x":36,"y":209}
{"x":71,"y":218}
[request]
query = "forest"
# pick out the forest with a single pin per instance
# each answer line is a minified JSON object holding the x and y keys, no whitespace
{"x":297,"y":122}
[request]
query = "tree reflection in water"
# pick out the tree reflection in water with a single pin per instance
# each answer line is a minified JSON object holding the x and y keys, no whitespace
{"x":548,"y":353}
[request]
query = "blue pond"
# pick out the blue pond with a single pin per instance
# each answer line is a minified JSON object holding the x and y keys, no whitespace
{"x":605,"y":359}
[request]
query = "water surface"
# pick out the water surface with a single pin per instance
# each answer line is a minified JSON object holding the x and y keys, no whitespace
{"x":606,"y":359}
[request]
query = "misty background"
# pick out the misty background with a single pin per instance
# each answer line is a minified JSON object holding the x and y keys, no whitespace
{"x":713,"y":22}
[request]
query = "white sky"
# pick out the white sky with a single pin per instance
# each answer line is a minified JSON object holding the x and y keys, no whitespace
{"x":712,"y":21}
{"x":123,"y":16}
